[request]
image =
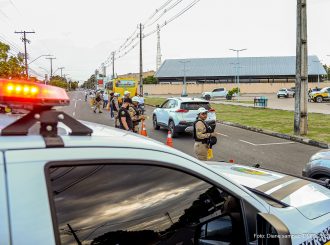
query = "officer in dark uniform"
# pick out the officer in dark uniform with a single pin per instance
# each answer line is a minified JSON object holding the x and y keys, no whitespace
{"x":125,"y":119}
{"x":203,"y":134}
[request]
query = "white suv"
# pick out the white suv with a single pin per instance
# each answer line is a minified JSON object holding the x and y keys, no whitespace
{"x":177,"y":114}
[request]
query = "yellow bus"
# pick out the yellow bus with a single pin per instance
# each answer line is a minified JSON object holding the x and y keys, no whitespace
{"x":120,"y":85}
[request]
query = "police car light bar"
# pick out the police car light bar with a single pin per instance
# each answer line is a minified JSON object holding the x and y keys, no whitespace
{"x":28,"y":93}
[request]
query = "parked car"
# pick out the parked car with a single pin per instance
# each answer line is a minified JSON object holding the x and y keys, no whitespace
{"x":216,"y":93}
{"x":284,"y":92}
{"x":177,"y":114}
{"x":318,"y":166}
{"x":320,"y":96}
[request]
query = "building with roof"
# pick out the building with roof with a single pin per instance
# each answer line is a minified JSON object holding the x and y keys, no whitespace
{"x":225,"y":70}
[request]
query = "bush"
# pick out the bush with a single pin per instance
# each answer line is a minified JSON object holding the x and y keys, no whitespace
{"x":231,"y":92}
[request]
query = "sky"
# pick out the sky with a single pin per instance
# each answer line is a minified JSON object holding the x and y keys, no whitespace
{"x":82,"y":34}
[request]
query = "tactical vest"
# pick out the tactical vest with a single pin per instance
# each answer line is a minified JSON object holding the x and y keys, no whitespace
{"x":208,"y":130}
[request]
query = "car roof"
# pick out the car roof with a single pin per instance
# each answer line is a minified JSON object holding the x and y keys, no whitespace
{"x":188,"y":99}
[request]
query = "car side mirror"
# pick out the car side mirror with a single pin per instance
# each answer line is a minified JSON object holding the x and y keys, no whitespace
{"x":270,"y":228}
{"x":215,"y":231}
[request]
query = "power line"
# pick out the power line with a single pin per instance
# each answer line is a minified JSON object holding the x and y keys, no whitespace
{"x":157,"y":11}
{"x":166,"y":11}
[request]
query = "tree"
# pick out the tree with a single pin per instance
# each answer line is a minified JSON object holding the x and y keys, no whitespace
{"x":150,"y":80}
{"x":90,"y":83}
{"x":10,"y":66}
{"x":58,"y":81}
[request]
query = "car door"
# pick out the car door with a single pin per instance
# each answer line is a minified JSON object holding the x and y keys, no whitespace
{"x":4,"y":223}
{"x":219,"y":92}
{"x":85,"y":194}
{"x":161,"y":112}
{"x":328,"y":96}
{"x":167,"y":110}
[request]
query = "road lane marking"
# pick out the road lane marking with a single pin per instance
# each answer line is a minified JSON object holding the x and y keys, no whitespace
{"x":222,"y":134}
{"x":74,"y":114}
{"x":266,"y":144}
{"x":279,"y":143}
{"x":247,"y":142}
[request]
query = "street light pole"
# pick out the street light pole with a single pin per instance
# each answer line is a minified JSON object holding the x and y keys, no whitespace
{"x":237,"y":52}
{"x":184,"y":87}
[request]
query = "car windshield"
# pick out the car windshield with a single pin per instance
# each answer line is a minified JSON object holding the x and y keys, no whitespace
{"x":282,"y":90}
{"x":195,"y":105}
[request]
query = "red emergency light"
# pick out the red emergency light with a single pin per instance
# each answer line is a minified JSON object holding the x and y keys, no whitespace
{"x":22,"y":92}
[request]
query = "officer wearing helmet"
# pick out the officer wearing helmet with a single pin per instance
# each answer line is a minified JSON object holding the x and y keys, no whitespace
{"x":203,"y":134}
{"x":135,"y":113}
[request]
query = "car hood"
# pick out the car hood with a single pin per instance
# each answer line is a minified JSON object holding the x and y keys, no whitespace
{"x":311,"y":199}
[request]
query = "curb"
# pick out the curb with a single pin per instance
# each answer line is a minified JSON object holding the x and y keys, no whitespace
{"x":298,"y":139}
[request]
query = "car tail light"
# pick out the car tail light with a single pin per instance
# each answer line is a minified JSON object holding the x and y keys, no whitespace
{"x":25,"y":92}
{"x":211,"y":110}
{"x":182,"y":111}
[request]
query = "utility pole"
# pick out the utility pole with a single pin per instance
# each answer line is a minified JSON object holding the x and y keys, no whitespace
{"x":238,"y":67}
{"x":141,"y":69}
{"x":301,"y":115}
{"x":25,"y":40}
{"x":74,"y":235}
{"x":51,"y":66}
{"x":113,"y":65}
{"x":61,"y":68}
{"x":159,"y":54}
{"x":184,"y":87}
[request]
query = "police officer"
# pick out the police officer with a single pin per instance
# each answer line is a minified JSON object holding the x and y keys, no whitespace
{"x":125,"y":119}
{"x":135,"y":113}
{"x":202,"y":134}
{"x":115,"y":107}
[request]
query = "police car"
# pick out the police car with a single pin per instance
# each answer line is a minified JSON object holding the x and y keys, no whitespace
{"x":83,"y":183}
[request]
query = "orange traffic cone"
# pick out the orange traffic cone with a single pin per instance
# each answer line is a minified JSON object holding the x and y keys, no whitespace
{"x":231,"y":161}
{"x":169,"y":140}
{"x":143,"y":131}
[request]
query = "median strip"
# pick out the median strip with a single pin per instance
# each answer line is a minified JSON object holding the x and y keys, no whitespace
{"x":277,"y":123}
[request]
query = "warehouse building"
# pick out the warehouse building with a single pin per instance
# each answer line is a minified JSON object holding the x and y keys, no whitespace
{"x":225,"y":70}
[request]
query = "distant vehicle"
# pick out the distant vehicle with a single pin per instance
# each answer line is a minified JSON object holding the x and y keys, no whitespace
{"x":120,"y":85}
{"x":177,"y":114}
{"x":318,"y":166}
{"x":216,"y":93}
{"x":286,"y":93}
{"x":320,"y":96}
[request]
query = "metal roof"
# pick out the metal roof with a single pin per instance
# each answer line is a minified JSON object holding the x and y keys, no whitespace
{"x":248,"y":66}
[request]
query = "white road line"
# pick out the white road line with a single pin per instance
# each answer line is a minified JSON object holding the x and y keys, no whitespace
{"x":247,"y":142}
{"x":280,"y":143}
{"x":75,"y":104}
{"x":74,"y":114}
{"x":222,"y":134}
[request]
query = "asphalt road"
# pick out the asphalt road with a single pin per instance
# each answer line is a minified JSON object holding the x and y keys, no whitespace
{"x":242,"y":146}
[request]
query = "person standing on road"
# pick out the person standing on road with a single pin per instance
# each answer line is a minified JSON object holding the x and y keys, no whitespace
{"x":105,"y":99}
{"x":135,"y":114}
{"x":115,"y":107}
{"x":98,"y":101}
{"x":202,"y":134}
{"x":125,"y":119}
{"x":110,"y":103}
